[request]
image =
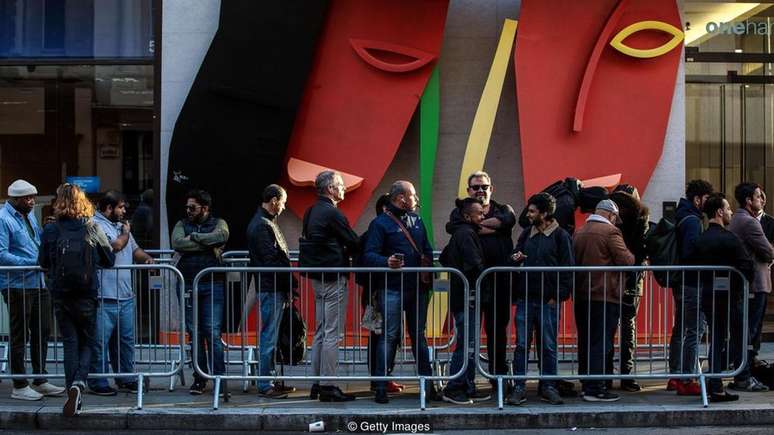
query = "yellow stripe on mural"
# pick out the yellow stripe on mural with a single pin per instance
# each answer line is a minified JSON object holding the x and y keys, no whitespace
{"x":481,"y":132}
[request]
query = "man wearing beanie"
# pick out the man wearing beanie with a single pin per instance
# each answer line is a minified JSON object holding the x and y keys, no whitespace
{"x":598,"y":243}
{"x":29,"y":304}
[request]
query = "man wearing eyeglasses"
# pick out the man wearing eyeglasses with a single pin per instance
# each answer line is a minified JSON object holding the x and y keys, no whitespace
{"x":497,"y":241}
{"x":199,"y":240}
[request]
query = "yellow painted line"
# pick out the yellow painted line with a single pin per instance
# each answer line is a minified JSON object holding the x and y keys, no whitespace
{"x":483,"y":122}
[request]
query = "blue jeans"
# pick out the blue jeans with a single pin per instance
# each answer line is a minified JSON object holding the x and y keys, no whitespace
{"x":272,"y":305}
{"x":415,"y":306}
{"x":114,"y":334}
{"x":466,"y":381}
{"x":535,"y":317}
{"x":688,"y":327}
{"x":76,"y":318}
{"x":210,"y":358}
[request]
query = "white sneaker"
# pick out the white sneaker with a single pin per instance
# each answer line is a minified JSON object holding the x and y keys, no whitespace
{"x":25,"y":393}
{"x":48,"y":389}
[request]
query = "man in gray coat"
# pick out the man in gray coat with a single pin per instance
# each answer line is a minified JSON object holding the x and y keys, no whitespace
{"x":747,"y":227}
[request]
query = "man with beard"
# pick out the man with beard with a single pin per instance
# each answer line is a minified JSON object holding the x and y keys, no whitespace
{"x":199,"y":239}
{"x":497,"y":242}
{"x":758,"y":249}
{"x":114,"y":333}
{"x":721,"y":292}
{"x":539,"y":296}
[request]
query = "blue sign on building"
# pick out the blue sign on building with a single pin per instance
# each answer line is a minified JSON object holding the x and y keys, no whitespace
{"x":87,"y":184}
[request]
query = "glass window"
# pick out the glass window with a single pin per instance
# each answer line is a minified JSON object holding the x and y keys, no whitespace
{"x":76,"y":28}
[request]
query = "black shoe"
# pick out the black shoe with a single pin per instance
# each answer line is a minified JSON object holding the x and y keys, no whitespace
{"x":129,"y":386}
{"x":566,"y":388}
{"x":479,"y":396}
{"x":604,"y":396}
{"x":314,"y":392}
{"x":381,"y":396}
{"x":630,"y":385}
{"x":432,"y":395}
{"x":198,"y":387}
{"x":722,"y":397}
{"x":331,"y":393}
{"x":551,"y":395}
{"x":280,"y":386}
{"x":609,"y":384}
{"x":518,"y":396}
{"x":273,"y":393}
{"x":456,"y":397}
{"x":104,"y":391}
{"x":73,"y":404}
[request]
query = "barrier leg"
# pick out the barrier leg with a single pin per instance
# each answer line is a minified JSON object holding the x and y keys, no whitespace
{"x":172,"y":383}
{"x":216,"y":394}
{"x":500,"y":392}
{"x":703,"y":383}
{"x":422,"y":394}
{"x":140,"y":388}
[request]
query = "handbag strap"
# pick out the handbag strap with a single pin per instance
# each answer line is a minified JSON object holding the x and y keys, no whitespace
{"x":404,"y":231}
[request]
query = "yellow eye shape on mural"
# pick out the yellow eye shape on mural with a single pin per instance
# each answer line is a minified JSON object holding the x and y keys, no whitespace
{"x":617,"y":41}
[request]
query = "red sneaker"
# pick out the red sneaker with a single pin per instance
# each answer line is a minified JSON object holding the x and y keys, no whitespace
{"x":690,"y":388}
{"x":672,"y":384}
{"x":394,"y":387}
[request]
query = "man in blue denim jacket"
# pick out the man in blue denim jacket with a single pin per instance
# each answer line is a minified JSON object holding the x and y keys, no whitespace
{"x":388,"y":246}
{"x":29,"y":303}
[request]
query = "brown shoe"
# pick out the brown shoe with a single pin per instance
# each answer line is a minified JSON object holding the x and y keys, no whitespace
{"x":273,"y":393}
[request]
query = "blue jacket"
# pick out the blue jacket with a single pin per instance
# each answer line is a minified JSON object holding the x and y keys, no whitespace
{"x":689,"y":229}
{"x":18,"y":248}
{"x":385,"y":238}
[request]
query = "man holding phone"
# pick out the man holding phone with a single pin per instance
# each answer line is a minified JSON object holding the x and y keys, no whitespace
{"x":114,"y":335}
{"x":396,"y":239}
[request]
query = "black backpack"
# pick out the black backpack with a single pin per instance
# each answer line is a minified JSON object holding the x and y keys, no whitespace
{"x":567,"y":194}
{"x":73,"y":259}
{"x":663,"y":250}
{"x":291,"y":348}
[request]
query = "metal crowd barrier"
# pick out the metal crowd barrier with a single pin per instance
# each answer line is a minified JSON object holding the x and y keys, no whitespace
{"x":147,"y":325}
{"x":353,"y":339}
{"x":645,"y":354}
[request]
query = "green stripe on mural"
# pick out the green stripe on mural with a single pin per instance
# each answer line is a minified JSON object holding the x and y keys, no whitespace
{"x":429,"y":118}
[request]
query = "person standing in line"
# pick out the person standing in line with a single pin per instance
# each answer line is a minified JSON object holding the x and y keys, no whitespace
{"x":747,"y":227}
{"x":198,"y":240}
{"x":28,"y":301}
{"x":328,"y":241}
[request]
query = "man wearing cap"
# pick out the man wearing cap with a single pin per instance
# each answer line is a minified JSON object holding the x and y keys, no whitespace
{"x":29,"y":303}
{"x":598,"y":243}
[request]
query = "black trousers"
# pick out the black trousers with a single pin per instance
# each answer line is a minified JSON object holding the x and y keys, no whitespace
{"x":29,"y":311}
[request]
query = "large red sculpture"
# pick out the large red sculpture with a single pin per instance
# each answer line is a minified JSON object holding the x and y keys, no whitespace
{"x":372,"y":64}
{"x":587,"y":109}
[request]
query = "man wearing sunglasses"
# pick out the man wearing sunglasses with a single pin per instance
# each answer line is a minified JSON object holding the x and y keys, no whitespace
{"x":199,"y":240}
{"x":497,"y":243}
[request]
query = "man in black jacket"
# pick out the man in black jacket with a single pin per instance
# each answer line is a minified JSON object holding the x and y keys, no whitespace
{"x":539,"y":295}
{"x":268,"y":248}
{"x":327,"y":233}
{"x":496,"y":239}
{"x":464,"y":253}
{"x":720,"y":291}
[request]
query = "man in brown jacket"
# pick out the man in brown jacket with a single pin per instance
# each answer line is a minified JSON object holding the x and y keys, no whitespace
{"x":757,"y":247}
{"x":598,"y":294}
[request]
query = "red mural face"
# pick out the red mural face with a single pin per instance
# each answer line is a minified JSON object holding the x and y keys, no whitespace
{"x":371,"y":67}
{"x":586,"y":109}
